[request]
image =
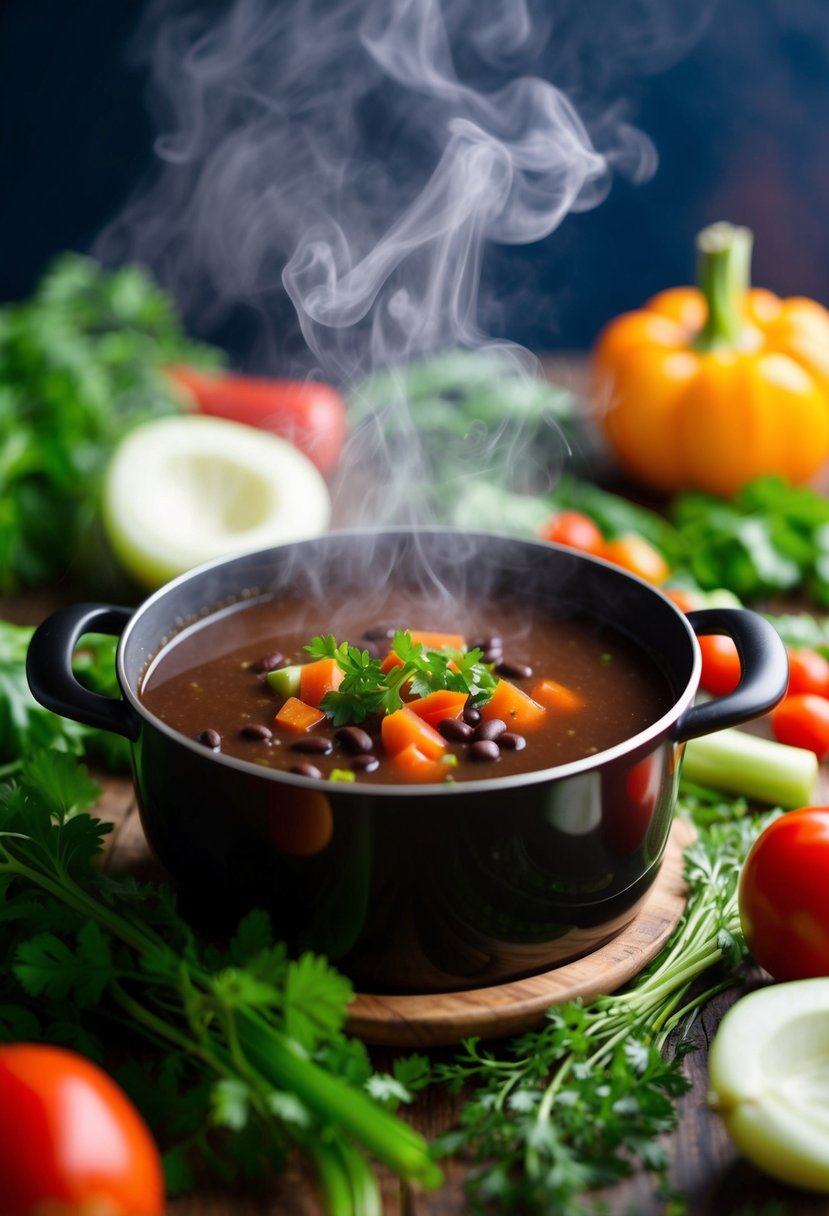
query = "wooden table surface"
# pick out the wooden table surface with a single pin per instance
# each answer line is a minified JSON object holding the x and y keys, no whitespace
{"x":705,"y":1169}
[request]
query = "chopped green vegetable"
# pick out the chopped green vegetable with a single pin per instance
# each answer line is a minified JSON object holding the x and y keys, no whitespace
{"x":81,"y":363}
{"x":367,"y":689}
{"x":758,"y":768}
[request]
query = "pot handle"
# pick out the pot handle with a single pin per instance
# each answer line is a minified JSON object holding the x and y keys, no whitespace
{"x":764,"y":678}
{"x":49,"y":668}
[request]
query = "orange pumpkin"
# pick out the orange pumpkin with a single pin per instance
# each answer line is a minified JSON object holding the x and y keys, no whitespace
{"x":710,"y":387}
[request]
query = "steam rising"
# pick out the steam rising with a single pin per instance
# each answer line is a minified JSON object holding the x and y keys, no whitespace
{"x":360,"y":155}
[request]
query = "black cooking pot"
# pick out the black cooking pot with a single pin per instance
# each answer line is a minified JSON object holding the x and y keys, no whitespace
{"x":418,"y":888}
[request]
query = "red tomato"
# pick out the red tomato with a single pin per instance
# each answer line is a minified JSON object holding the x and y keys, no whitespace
{"x":72,"y":1141}
{"x":802,"y":720}
{"x":638,"y":556}
{"x":721,"y":668}
{"x":575,"y":530}
{"x":784,"y":910}
{"x":808,"y":672}
{"x":307,"y":413}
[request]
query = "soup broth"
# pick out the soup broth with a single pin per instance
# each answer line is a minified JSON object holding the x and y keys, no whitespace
{"x":594,"y":687}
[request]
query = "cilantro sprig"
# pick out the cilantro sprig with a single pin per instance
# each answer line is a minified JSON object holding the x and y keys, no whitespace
{"x":247,"y":1051}
{"x":366,"y":689}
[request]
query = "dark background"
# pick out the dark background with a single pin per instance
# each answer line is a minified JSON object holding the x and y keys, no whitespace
{"x":739,"y":123}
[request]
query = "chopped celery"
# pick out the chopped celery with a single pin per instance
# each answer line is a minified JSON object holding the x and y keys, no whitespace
{"x":285,"y":680}
{"x":760,"y":769}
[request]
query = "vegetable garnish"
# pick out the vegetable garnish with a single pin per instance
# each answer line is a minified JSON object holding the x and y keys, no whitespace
{"x":367,"y":689}
{"x":243,"y":1039}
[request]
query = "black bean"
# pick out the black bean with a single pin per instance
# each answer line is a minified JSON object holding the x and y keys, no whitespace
{"x":305,"y":770}
{"x":255,"y":730}
{"x":314,"y":745}
{"x":484,"y":751}
{"x":514,"y":671}
{"x":455,"y":730}
{"x":492,"y":656}
{"x":268,"y":662}
{"x":512,"y":742}
{"x":472,"y":715}
{"x":377,"y":632}
{"x":491,"y":729}
{"x":365,"y":764}
{"x":210,"y":738}
{"x":354,"y":740}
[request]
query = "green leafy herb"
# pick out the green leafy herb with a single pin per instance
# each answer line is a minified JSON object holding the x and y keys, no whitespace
{"x":248,"y":1041}
{"x":366,"y":689}
{"x":26,"y":726}
{"x":80,"y":364}
{"x":581,"y":1102}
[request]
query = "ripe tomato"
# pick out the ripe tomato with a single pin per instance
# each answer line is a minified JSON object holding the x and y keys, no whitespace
{"x":72,"y":1141}
{"x":721,"y":668}
{"x":782,"y":895}
{"x":802,"y":720}
{"x":575,"y":530}
{"x":808,"y":672}
{"x":307,"y":413}
{"x":638,"y":556}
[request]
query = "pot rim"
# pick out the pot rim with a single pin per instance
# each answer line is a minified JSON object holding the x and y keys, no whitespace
{"x":650,"y":735}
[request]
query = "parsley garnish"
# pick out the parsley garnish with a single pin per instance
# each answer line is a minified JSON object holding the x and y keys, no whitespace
{"x":367,"y":689}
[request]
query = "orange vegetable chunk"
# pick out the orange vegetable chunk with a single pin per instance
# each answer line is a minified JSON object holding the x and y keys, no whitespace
{"x":318,"y":678}
{"x":438,"y":641}
{"x":391,"y":660}
{"x":436,"y":706}
{"x":415,"y":766}
{"x":297,"y":716}
{"x":401,"y":728}
{"x":513,"y":706}
{"x":553,"y":695}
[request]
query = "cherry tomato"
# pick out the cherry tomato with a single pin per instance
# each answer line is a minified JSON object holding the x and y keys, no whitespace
{"x":638,"y":556}
{"x":721,"y":668}
{"x":802,"y":720}
{"x":307,"y":413}
{"x":575,"y":530}
{"x":72,"y":1141}
{"x":784,"y":910}
{"x":808,"y":672}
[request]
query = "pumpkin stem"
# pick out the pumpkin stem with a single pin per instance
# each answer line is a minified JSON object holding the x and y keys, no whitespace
{"x":723,"y":277}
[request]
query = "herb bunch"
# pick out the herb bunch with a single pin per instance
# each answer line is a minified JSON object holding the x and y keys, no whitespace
{"x":81,"y":363}
{"x":577,"y":1104}
{"x":245,"y":1040}
{"x":367,"y":689}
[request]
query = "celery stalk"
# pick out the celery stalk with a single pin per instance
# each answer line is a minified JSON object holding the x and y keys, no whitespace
{"x":760,"y":769}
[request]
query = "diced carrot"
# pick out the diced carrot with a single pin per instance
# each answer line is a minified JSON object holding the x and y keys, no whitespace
{"x":436,"y":706}
{"x":513,"y":706}
{"x":438,"y":641}
{"x":295,"y":715}
{"x":685,"y":600}
{"x":415,"y":766}
{"x":318,"y":678}
{"x":391,"y":660}
{"x":403,"y":727}
{"x":553,"y":695}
